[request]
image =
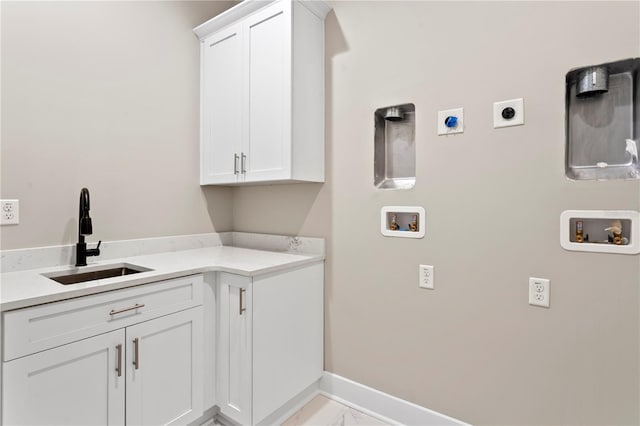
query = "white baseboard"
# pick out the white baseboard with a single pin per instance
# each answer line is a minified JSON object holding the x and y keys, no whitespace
{"x":293,"y":406}
{"x":387,"y":408}
{"x":380,"y":404}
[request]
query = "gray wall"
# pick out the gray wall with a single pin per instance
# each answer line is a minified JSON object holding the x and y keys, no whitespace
{"x":473,"y":348}
{"x":104,"y":95}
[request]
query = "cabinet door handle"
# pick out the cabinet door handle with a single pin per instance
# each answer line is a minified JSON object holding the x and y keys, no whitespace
{"x":242,"y":308}
{"x":130,"y":308}
{"x":235,"y":164}
{"x":243,"y":162}
{"x":136,"y":354}
{"x":119,"y":365}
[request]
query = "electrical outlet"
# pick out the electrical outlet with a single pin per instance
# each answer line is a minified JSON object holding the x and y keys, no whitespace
{"x":426,"y":277}
{"x":508,"y":113}
{"x":10,"y":212}
{"x":539,"y":292}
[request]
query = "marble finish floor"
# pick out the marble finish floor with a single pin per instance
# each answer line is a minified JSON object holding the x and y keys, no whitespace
{"x":323,"y":411}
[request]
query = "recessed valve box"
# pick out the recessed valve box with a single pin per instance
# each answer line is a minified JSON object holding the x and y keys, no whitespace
{"x":402,"y":221}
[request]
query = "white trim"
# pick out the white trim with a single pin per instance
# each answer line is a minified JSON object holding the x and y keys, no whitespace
{"x":384,"y":222}
{"x":380,"y":404}
{"x":318,"y":8}
{"x":294,"y":405}
{"x":230,"y":16}
{"x":246,"y":8}
{"x":634,"y":239}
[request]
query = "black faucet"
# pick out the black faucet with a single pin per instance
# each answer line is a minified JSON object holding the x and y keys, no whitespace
{"x":84,"y":228}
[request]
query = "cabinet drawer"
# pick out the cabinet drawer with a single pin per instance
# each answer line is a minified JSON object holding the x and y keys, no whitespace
{"x":46,"y":326}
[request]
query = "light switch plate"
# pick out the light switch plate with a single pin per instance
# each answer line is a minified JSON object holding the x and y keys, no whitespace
{"x":442,"y":116}
{"x":516,"y":120}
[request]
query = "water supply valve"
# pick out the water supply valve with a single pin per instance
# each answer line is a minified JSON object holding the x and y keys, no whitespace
{"x":451,"y":121}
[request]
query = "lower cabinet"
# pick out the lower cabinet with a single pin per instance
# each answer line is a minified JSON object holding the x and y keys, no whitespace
{"x":74,"y":384}
{"x":270,"y":340}
{"x":234,"y":347}
{"x":164,"y":380}
{"x":162,"y":353}
{"x":147,"y":373}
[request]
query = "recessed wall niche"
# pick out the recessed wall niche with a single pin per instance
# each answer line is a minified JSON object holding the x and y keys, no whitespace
{"x":602,"y":121}
{"x":395,"y":150}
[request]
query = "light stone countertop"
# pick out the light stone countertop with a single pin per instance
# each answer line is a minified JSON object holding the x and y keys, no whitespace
{"x":27,"y":288}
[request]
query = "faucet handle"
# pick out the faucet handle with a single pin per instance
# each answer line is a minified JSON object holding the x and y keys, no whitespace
{"x":95,"y":251}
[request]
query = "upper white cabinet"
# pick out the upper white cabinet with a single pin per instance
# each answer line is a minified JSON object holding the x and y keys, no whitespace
{"x":262,"y":93}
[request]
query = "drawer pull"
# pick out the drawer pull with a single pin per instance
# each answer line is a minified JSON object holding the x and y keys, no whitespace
{"x":119,"y":366}
{"x":242,"y":308}
{"x":136,"y":355}
{"x":130,"y":308}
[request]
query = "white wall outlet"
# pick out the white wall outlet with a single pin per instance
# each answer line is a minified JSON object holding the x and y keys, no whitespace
{"x":508,"y":113}
{"x":10,"y":212}
{"x":451,"y":121}
{"x":539,"y":292}
{"x":426,"y":277}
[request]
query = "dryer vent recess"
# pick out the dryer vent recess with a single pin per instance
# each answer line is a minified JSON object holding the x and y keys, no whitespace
{"x":394,"y":147}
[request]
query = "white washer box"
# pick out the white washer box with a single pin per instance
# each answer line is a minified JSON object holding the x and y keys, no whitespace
{"x":594,"y":222}
{"x":404,"y":216}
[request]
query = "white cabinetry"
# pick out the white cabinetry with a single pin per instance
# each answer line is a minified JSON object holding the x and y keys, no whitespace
{"x":79,"y":379}
{"x":270,"y":345}
{"x":262,"y":93}
{"x":164,"y":375}
{"x":74,"y":384}
{"x":234,"y":347}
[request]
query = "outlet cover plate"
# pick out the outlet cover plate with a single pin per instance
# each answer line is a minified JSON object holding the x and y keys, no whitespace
{"x":442,"y":116}
{"x":539,"y":292}
{"x":518,"y":118}
{"x":426,"y":277}
{"x":9,"y":212}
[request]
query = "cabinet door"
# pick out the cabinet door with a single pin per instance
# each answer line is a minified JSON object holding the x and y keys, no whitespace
{"x":287,"y":336}
{"x":164,"y":369}
{"x":221,"y":107}
{"x":268,"y":98}
{"x":234,"y":348}
{"x":74,"y":384}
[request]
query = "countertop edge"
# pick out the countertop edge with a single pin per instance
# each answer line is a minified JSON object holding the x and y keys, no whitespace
{"x":136,"y":280}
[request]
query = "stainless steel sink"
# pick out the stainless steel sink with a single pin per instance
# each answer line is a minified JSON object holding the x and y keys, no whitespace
{"x":92,"y":273}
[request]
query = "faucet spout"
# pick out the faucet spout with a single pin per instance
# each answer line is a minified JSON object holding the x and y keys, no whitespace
{"x":85,"y":227}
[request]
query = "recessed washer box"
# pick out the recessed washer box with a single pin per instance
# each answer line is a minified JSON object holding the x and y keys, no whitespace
{"x":405,"y":218}
{"x":593,"y":224}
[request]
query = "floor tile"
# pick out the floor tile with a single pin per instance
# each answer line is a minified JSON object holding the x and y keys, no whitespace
{"x":323,"y":411}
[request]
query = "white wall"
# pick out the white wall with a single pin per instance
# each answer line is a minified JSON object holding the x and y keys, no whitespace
{"x":472,"y":348}
{"x":104,"y":95}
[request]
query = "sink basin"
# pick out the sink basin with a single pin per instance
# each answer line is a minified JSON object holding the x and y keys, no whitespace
{"x":80,"y":275}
